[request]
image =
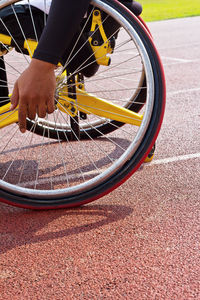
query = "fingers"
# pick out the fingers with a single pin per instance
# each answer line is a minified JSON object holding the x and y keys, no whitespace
{"x":31,"y":112}
{"x":42,"y":110}
{"x":34,"y":92}
{"x":45,"y":108}
{"x":50,"y":106}
{"x":22,"y":113}
{"x":15,"y":97}
{"x":27,"y":109}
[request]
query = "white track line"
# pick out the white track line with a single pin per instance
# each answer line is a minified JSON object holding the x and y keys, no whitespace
{"x":154,"y":162}
{"x":173,"y":159}
{"x":178,"y":62}
{"x":177,"y":59}
{"x":60,"y":178}
{"x":184,"y":91}
{"x":182,"y":46}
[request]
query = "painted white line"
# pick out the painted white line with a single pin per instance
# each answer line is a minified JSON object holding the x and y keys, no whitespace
{"x":178,"y":63}
{"x":176,"y":59}
{"x":62,"y":179}
{"x":182,"y":46}
{"x":173,"y":159}
{"x":184,"y":91}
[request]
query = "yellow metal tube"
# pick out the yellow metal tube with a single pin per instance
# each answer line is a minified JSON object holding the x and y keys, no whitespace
{"x":90,"y":104}
{"x":5,"y":39}
{"x":7,"y":116}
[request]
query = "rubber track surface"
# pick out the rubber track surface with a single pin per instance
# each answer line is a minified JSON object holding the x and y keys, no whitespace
{"x":140,"y":242}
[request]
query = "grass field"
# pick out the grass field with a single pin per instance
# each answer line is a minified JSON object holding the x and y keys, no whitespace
{"x":154,"y":10}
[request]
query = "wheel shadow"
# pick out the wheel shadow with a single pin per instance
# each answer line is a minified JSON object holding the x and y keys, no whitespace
{"x":20,"y":227}
{"x":14,"y":172}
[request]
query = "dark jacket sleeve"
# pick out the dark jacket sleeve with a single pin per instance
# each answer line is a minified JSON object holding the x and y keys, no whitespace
{"x":62,"y":23}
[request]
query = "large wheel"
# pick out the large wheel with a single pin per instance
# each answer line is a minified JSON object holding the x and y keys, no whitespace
{"x":39,"y":173}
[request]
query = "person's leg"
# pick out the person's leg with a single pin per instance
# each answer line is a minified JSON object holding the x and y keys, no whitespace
{"x":82,"y":58}
{"x":22,"y":25}
{"x":3,"y":83}
{"x":85,"y":57}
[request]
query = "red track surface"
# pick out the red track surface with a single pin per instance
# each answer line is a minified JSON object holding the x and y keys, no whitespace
{"x":142,"y":241}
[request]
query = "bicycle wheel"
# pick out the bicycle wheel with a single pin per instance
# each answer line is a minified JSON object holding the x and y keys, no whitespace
{"x":40,"y":173}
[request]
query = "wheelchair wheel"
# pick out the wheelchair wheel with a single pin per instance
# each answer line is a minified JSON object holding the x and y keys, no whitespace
{"x":40,"y":173}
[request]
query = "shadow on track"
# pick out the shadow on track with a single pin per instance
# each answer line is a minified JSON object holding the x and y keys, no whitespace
{"x":21,"y":227}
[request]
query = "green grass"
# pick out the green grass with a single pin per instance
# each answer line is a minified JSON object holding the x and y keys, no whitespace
{"x":154,"y":10}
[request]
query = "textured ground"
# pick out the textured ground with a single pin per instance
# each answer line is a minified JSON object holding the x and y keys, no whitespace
{"x":142,"y":241}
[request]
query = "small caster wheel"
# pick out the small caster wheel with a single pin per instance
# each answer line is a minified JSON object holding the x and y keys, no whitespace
{"x":150,"y":155}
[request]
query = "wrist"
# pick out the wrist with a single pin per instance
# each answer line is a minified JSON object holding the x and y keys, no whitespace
{"x":41,"y":65}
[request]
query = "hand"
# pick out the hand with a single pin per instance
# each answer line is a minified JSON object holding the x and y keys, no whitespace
{"x":34,"y":91}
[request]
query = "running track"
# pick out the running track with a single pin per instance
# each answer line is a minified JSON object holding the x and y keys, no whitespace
{"x":143,"y":240}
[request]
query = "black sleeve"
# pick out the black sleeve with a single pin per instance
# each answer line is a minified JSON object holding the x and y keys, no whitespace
{"x":62,"y":23}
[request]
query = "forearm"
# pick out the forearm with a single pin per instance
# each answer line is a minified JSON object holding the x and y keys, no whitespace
{"x":63,"y":21}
